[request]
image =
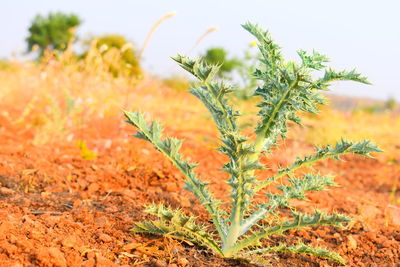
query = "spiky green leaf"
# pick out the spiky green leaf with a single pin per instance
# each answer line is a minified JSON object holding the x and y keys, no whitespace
{"x":364,"y":148}
{"x":300,"y":220}
{"x":170,"y":148}
{"x":301,"y":248}
{"x":176,"y":223}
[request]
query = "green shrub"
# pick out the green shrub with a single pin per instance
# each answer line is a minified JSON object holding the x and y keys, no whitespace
{"x":119,"y":54}
{"x":218,"y":56}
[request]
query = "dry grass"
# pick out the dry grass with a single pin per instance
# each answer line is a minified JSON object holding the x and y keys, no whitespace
{"x":62,"y":97}
{"x":330,"y":125}
{"x":65,"y":97}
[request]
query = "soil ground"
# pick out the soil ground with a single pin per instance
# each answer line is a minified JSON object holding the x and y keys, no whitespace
{"x":58,"y":209}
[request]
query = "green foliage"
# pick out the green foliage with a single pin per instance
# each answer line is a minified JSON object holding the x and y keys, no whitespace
{"x":176,"y":222}
{"x":301,"y":248}
{"x":286,"y":88}
{"x":52,"y":32}
{"x":218,"y":56}
{"x":128,"y":61}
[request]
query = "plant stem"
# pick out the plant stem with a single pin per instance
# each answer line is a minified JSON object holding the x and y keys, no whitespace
{"x":236,"y":218}
{"x":231,"y":239}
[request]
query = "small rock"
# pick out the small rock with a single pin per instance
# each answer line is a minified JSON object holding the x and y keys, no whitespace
{"x":10,"y":249}
{"x":183,"y":201}
{"x":171,"y":187}
{"x":394,"y":214}
{"x":82,"y":183}
{"x":93,"y":188}
{"x":37,"y":235}
{"x":89,"y":263}
{"x":304,"y":234}
{"x":129,"y":193}
{"x":370,"y":211}
{"x":371,"y":235}
{"x":101,"y":221}
{"x":89,"y":254}
{"x":12,"y":238}
{"x":159,"y":174}
{"x":105,"y":238}
{"x":145,"y":151}
{"x":27,"y":172}
{"x":53,"y":220}
{"x":154,"y":190}
{"x":388,"y":243}
{"x":103,"y":261}
{"x":69,"y":241}
{"x":5,"y":228}
{"x":6,"y":191}
{"x":70,"y":137}
{"x":77,"y":204}
{"x":183,"y":262}
{"x":338,"y":236}
{"x":160,"y":263}
{"x":320,"y":232}
{"x":45,"y":195}
{"x":107,"y":143}
{"x":31,"y":222}
{"x":351,"y":242}
{"x":58,"y":257}
{"x":131,"y":168}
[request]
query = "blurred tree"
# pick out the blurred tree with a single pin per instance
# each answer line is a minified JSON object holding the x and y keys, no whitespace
{"x":52,"y":32}
{"x":238,"y":70}
{"x":118,"y":54}
{"x":218,"y":55}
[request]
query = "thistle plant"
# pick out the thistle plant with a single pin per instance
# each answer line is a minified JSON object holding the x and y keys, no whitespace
{"x":287,"y":88}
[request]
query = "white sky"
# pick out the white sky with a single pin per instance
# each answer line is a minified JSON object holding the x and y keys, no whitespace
{"x":353,"y":33}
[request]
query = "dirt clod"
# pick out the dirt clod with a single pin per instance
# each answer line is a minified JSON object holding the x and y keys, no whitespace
{"x":160,"y":263}
{"x":6,"y":191}
{"x":352,"y":242}
{"x":105,"y":238}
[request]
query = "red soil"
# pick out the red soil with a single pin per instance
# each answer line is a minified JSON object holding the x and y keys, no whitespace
{"x":57,"y":209}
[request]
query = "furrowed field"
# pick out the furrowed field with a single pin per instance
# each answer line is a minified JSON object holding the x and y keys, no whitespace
{"x":73,"y":181}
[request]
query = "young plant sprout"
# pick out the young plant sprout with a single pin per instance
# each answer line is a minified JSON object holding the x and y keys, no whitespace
{"x":287,"y":88}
